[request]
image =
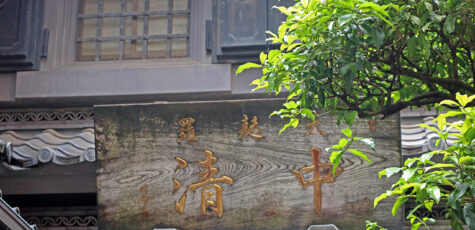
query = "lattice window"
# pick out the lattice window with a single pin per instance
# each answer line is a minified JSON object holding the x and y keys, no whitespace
{"x":133,"y":29}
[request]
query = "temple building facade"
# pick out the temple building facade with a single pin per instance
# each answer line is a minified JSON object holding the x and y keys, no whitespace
{"x":60,"y":60}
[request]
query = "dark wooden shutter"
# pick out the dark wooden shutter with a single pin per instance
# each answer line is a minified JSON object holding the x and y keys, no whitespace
{"x":239,"y":28}
{"x":20,"y":29}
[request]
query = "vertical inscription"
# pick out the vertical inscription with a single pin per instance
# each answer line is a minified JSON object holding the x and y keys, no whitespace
{"x":318,"y":176}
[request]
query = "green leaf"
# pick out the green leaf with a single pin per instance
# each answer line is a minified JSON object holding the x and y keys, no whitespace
{"x":462,"y":99}
{"x":409,"y":162}
{"x":428,"y":127}
{"x":428,"y":6}
{"x":440,"y":166}
{"x":283,"y":10}
{"x":416,"y":226}
{"x":449,"y":102}
{"x":408,"y":173}
{"x":360,"y":154}
{"x":263,"y":57}
{"x":421,"y":196}
{"x":412,"y":47}
{"x":460,"y":189}
{"x":469,"y":215}
{"x":426,"y":27}
{"x":434,"y":193}
{"x":336,"y":162}
{"x":350,"y":118}
{"x":247,"y":66}
{"x":294,"y":122}
{"x":379,"y":198}
{"x":290,"y":105}
{"x":368,"y":141}
{"x":342,"y":20}
{"x":470,"y":99}
{"x":470,"y":134}
{"x":389,"y":172}
{"x":415,"y":20}
{"x":428,"y":204}
{"x":378,"y":37}
{"x":334,"y":155}
{"x":273,"y":55}
{"x":448,"y":114}
{"x":400,"y":200}
{"x":307,"y":113}
{"x":449,"y":25}
{"x":374,"y":7}
{"x":285,"y":127}
{"x":347,"y":132}
{"x":464,"y":159}
{"x":342,"y":143}
{"x":456,"y":224}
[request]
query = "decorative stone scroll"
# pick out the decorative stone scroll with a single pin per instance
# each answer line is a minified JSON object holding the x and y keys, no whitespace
{"x":30,"y":149}
{"x":137,"y":148}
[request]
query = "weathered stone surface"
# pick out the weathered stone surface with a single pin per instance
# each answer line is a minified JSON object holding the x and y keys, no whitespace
{"x":137,"y":146}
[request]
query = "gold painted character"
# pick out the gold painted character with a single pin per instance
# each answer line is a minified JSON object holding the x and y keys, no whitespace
{"x":187,"y":131}
{"x":318,"y":178}
{"x":209,"y":188}
{"x":250,"y":129}
{"x":314,"y":125}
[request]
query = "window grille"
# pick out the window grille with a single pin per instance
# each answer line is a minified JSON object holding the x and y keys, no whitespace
{"x":133,"y":29}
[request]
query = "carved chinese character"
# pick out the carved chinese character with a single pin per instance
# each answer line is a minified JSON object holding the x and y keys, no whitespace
{"x":209,"y":188}
{"x":314,"y":125}
{"x":319,"y":177}
{"x":250,"y":129}
{"x":180,"y":163}
{"x":187,"y":131}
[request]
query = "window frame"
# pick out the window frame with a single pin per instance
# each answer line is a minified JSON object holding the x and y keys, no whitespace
{"x":122,"y":37}
{"x":62,"y":53}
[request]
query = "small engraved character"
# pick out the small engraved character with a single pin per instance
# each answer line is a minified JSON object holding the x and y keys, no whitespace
{"x":250,"y":130}
{"x":187,"y":131}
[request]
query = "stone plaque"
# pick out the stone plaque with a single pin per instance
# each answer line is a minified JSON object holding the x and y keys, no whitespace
{"x":222,"y":165}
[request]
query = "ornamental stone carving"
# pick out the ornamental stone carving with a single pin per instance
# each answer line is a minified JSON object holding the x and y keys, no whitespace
{"x":46,"y":116}
{"x":24,"y":149}
{"x":417,"y":140}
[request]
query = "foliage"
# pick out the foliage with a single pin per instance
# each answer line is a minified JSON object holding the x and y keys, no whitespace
{"x":373,"y":57}
{"x":343,"y":146}
{"x":373,"y":226}
{"x":377,"y":57}
{"x":429,"y":182}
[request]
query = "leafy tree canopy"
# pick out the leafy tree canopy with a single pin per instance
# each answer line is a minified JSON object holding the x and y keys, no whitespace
{"x":371,"y":57}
